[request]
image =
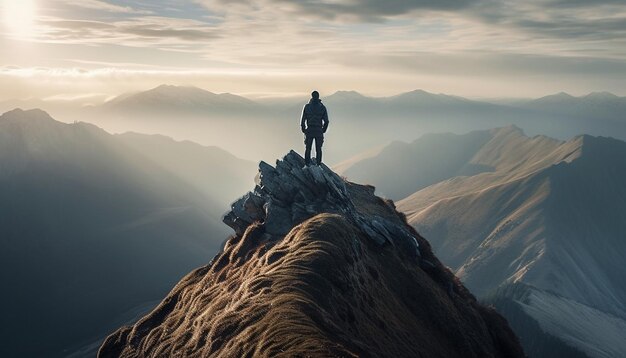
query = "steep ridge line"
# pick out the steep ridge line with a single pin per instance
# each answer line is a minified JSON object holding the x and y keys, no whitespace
{"x":510,"y":163}
{"x":397,"y":170}
{"x":558,"y":230}
{"x":539,"y":173}
{"x":318,"y":266}
{"x":92,"y":233}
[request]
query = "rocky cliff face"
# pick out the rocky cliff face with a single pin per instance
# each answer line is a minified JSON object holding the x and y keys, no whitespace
{"x":318,"y":267}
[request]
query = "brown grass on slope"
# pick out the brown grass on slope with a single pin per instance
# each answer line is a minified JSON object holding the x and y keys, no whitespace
{"x":324,"y":290}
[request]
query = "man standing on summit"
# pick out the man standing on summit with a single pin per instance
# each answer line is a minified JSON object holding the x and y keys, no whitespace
{"x":314,"y":123}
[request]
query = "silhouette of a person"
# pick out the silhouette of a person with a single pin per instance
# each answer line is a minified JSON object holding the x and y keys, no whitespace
{"x":314,"y":123}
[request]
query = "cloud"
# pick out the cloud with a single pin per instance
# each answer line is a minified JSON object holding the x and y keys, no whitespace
{"x":151,"y":31}
{"x":489,"y":64}
{"x":557,"y":20}
{"x":363,"y":42}
{"x":597,"y":29}
{"x":251,"y":28}
{"x":102,"y":6}
{"x":361,"y":10}
{"x":116,"y":73}
{"x":141,"y":31}
{"x":567,"y":27}
{"x":581,"y":3}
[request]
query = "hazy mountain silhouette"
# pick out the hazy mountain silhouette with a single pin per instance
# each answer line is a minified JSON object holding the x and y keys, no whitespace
{"x":180,"y":100}
{"x":318,"y":267}
{"x":92,"y":231}
{"x":413,"y":98}
{"x":399,"y":169}
{"x":210,"y":170}
{"x":202,"y":116}
{"x":416,"y":106}
{"x":595,"y":105}
{"x":550,"y":215}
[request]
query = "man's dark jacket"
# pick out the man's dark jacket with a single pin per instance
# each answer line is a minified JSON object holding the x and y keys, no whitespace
{"x":314,"y":118}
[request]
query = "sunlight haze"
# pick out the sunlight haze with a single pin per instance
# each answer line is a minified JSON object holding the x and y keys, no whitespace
{"x":95,"y":49}
{"x":319,"y":178}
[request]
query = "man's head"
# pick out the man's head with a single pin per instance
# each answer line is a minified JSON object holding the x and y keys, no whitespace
{"x":315,"y":95}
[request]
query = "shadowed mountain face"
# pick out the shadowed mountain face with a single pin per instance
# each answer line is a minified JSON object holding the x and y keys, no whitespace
{"x":92,"y":232}
{"x":212,"y":171}
{"x":548,"y":215}
{"x":318,"y":267}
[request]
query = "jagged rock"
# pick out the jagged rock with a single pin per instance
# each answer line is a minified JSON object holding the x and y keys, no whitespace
{"x":318,"y":267}
{"x":290,"y":193}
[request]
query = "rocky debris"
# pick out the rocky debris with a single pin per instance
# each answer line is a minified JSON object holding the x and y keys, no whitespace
{"x":290,"y":193}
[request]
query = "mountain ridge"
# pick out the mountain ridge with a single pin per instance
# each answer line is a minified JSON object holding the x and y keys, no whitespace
{"x":554,"y":223}
{"x":320,"y":267}
{"x":454,"y":157}
{"x":90,"y":230}
{"x":594,"y":105}
{"x":536,"y":211}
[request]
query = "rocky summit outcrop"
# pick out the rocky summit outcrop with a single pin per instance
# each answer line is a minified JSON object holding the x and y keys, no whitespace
{"x":318,"y":267}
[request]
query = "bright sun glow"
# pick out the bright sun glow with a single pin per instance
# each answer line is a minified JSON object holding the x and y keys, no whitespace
{"x":19,"y":17}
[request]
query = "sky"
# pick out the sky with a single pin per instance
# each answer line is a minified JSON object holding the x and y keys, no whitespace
{"x":92,"y":50}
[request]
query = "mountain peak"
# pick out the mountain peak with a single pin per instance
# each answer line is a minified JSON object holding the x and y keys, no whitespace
{"x":325,"y":268}
{"x":562,"y":94}
{"x":175,"y":89}
{"x":347,"y":95}
{"x":167,"y":86}
{"x":604,"y":95}
{"x":418,"y":92}
{"x":30,"y":115}
{"x":421,"y":96}
{"x":415,"y":93}
{"x":596,"y":106}
{"x":165,"y":98}
{"x":594,"y":148}
{"x":556,"y":97}
{"x":508,"y":130}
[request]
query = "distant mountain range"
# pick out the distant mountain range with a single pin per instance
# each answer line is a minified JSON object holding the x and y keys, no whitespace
{"x":358,"y":122}
{"x":595,"y":105}
{"x":95,"y":227}
{"x":193,"y":100}
{"x":534,"y":225}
